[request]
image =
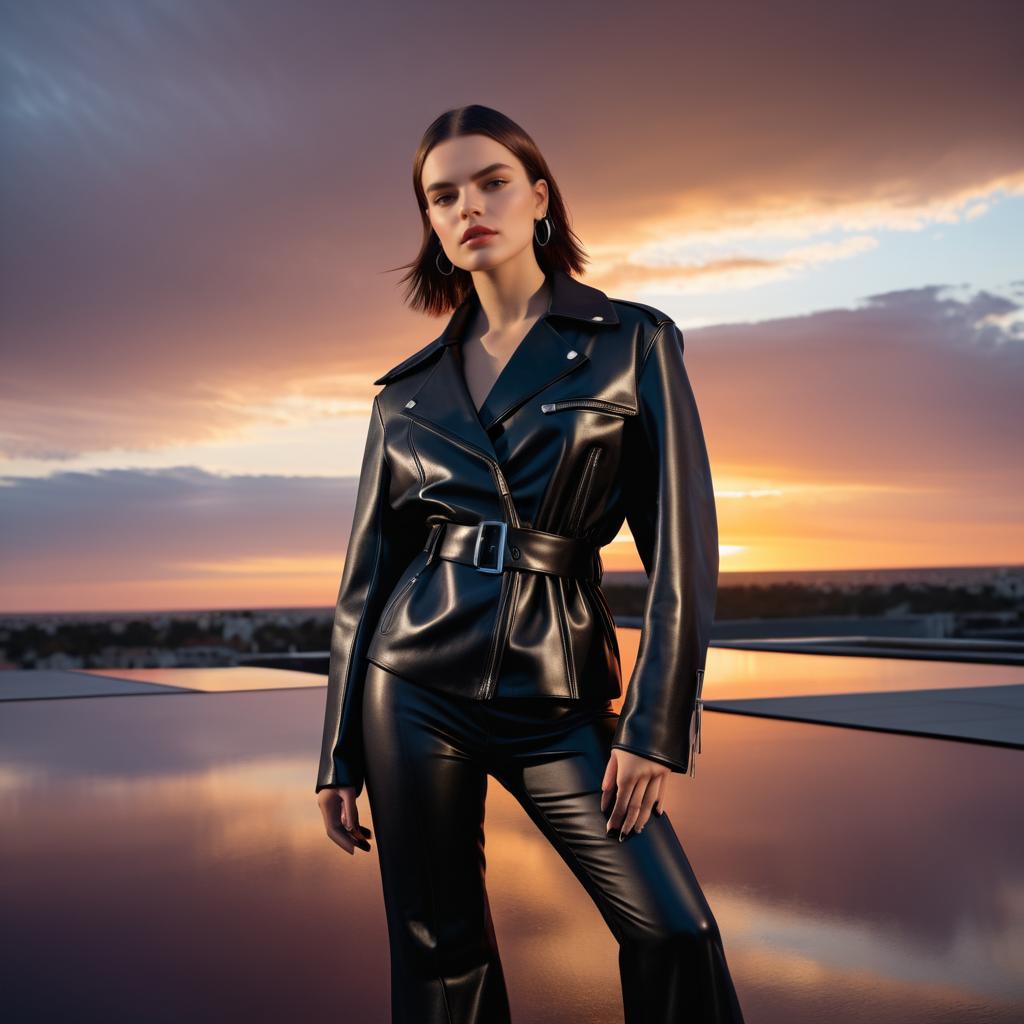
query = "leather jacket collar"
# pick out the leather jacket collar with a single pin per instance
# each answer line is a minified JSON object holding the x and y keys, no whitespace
{"x":570,"y":299}
{"x":544,"y":355}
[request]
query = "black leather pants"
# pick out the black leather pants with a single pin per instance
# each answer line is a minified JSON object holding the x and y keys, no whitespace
{"x":428,"y":755}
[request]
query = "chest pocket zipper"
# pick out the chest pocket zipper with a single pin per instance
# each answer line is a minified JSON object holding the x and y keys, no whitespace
{"x":389,"y":612}
{"x":598,"y":404}
{"x":579,"y":502}
{"x":606,"y":616}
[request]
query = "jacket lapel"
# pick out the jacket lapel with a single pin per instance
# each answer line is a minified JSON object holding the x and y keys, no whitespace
{"x":542,"y":357}
{"x":551,"y":349}
{"x":444,"y":401}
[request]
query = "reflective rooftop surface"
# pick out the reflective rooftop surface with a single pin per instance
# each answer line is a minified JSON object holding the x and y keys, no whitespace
{"x":163,"y":857}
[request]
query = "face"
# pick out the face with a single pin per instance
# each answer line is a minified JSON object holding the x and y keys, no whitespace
{"x":503,"y":200}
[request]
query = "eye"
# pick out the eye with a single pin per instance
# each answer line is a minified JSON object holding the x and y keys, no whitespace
{"x":448,"y":195}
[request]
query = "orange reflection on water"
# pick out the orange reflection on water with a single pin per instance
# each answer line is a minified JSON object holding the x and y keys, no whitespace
{"x":168,"y":853}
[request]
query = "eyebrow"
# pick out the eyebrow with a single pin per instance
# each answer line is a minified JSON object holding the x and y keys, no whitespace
{"x":479,"y":174}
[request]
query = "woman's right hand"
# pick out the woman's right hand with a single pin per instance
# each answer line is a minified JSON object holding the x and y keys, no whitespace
{"x":341,"y":818}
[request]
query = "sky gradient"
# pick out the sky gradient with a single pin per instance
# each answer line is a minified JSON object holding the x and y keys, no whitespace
{"x":202,"y":201}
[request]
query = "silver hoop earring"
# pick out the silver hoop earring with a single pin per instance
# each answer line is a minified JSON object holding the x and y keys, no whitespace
{"x":551,"y":229}
{"x":437,"y":263}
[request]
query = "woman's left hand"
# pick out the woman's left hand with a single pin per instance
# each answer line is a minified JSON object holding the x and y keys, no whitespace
{"x":637,"y":784}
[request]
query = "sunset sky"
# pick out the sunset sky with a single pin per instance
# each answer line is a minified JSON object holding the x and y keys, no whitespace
{"x":202,"y":201}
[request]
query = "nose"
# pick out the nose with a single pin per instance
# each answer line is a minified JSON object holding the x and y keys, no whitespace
{"x":470,"y":204}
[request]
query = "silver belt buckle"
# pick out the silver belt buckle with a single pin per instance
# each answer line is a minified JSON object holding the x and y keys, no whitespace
{"x":503,"y":527}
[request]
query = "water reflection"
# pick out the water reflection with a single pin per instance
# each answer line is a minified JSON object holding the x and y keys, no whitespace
{"x":733,"y":673}
{"x":163,"y":859}
{"x":219,"y":680}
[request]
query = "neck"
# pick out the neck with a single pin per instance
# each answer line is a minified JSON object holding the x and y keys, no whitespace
{"x":510,"y":294}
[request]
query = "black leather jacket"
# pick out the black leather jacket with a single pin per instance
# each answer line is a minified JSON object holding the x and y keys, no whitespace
{"x":591,"y":422}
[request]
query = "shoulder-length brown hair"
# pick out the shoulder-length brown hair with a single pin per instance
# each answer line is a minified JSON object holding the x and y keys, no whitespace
{"x":435,"y":293}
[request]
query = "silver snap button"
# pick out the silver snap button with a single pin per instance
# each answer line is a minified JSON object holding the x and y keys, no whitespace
{"x":571,"y":355}
{"x":597,"y":318}
{"x":410,"y":403}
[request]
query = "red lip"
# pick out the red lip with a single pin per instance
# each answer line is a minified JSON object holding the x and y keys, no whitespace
{"x":476,"y":231}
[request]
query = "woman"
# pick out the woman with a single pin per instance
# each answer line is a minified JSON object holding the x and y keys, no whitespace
{"x":471,"y":637}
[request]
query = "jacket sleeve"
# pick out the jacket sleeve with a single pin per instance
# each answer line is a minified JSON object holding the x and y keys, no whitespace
{"x":670,"y":507}
{"x":379,"y":548}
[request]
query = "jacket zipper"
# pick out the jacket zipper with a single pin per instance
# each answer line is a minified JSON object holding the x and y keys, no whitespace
{"x":510,"y":587}
{"x":389,"y":612}
{"x":698,"y":706}
{"x":508,"y":579}
{"x":588,"y":403}
{"x":583,"y":490}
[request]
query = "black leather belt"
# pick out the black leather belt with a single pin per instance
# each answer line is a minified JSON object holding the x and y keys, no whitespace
{"x":493,"y":546}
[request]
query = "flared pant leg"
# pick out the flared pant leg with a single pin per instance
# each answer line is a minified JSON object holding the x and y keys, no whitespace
{"x":672,"y":961}
{"x":428,"y":758}
{"x":426,"y":791}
